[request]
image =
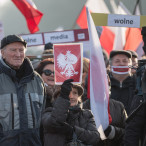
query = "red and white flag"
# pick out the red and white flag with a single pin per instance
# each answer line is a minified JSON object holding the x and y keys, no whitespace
{"x":68,"y":62}
{"x":94,"y":6}
{"x":30,"y":12}
{"x":127,"y":38}
{"x":120,"y":38}
{"x":99,"y":92}
{"x":107,"y":35}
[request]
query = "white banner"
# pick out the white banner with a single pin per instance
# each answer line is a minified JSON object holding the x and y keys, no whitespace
{"x":59,"y":37}
{"x":33,"y":39}
{"x":123,"y":20}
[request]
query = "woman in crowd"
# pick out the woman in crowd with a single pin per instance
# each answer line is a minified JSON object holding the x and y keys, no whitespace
{"x":67,"y":118}
{"x":46,"y":70}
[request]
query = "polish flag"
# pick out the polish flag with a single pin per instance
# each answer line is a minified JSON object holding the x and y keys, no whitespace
{"x":127,"y":38}
{"x":30,"y":12}
{"x":107,"y":35}
{"x":134,"y":39}
{"x":99,"y":92}
{"x":120,"y":38}
{"x":94,"y":6}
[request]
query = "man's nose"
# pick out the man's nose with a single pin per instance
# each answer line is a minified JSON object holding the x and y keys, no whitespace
{"x":121,"y":63}
{"x":17,"y":53}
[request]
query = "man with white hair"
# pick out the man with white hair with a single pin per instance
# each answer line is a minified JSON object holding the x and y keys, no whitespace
{"x":21,"y":95}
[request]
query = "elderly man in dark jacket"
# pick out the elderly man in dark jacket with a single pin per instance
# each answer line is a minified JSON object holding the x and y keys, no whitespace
{"x":123,"y":84}
{"x":21,"y":96}
{"x":67,"y":118}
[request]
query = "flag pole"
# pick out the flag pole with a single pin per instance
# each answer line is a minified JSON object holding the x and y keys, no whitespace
{"x":138,"y":1}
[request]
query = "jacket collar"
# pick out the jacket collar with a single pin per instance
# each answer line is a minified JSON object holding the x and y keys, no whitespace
{"x":75,"y":108}
{"x":125,"y":83}
{"x":27,"y":66}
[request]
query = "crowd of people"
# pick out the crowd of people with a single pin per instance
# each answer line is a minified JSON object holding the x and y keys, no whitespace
{"x":36,"y":112}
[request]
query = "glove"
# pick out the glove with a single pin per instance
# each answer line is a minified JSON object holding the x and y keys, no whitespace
{"x":110,"y":132}
{"x":67,"y":129}
{"x":66,"y":87}
{"x":62,"y":128}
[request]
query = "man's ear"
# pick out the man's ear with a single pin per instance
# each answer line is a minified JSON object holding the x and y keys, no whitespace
{"x":3,"y":53}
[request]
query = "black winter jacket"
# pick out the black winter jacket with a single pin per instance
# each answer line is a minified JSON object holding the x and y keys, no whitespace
{"x":119,"y":116}
{"x":123,"y":92}
{"x":135,"y":132}
{"x":82,"y":121}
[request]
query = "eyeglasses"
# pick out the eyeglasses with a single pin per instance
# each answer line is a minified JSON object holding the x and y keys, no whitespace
{"x":48,"y":72}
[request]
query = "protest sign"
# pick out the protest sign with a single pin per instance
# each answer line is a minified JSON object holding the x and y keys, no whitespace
{"x":68,"y":62}
{"x":118,"y":20}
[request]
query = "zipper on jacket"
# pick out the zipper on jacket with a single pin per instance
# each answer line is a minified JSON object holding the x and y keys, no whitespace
{"x":12,"y":105}
{"x":33,"y":119}
{"x":120,"y":85}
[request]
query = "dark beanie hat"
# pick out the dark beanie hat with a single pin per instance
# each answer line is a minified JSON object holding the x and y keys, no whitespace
{"x":12,"y":39}
{"x":134,"y":54}
{"x":48,"y":46}
{"x":116,"y":52}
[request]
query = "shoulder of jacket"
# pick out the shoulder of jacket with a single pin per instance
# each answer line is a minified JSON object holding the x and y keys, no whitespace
{"x":37,"y":75}
{"x":87,"y":113}
{"x":117,"y":103}
{"x":39,"y":79}
{"x":138,"y":99}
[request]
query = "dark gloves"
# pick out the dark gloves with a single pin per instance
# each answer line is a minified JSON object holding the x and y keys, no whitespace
{"x":67,"y":129}
{"x":66,"y":87}
{"x":110,"y":132}
{"x":61,"y":128}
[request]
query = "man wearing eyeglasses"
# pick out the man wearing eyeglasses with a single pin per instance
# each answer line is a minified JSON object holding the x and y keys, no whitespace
{"x":21,"y":95}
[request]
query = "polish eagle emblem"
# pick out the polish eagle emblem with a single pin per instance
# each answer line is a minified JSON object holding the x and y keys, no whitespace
{"x":65,"y":63}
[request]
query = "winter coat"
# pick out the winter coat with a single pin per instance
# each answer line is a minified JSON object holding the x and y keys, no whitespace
{"x":119,"y":116}
{"x":123,"y":92}
{"x":82,"y":121}
{"x":137,"y":100}
{"x":135,"y":132}
{"x":21,"y":104}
